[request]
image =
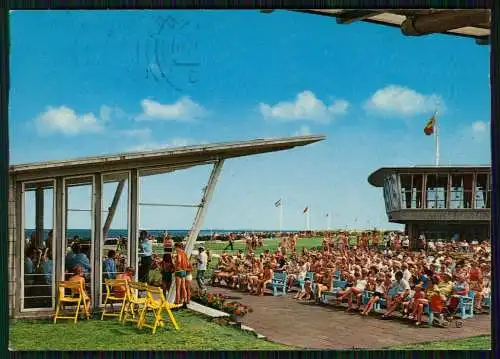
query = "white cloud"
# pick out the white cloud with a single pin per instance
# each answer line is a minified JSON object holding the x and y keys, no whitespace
{"x":479,"y":126}
{"x":303,"y":131}
{"x":184,"y":109}
{"x":403,"y":101}
{"x":66,"y":121}
{"x":107,"y":113}
{"x":306,"y":106}
{"x":152,"y":145}
{"x":339,"y":107}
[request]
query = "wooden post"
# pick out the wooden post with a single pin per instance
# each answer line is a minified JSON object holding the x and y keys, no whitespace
{"x":40,"y":235}
{"x":59,"y":232}
{"x":133,"y":220}
{"x":97,"y":242}
{"x":20,"y":237}
{"x":112,"y":209}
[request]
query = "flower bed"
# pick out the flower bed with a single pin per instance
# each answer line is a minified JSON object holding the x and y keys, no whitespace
{"x":222,"y":303}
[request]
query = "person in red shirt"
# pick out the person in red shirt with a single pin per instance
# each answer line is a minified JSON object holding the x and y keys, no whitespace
{"x":129,"y":274}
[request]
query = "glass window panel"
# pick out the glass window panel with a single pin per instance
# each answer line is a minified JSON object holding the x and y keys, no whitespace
{"x":115,"y":228}
{"x":79,"y":233}
{"x":482,"y":194}
{"x":406,"y":191}
{"x":416,"y":191}
{"x":38,"y":246}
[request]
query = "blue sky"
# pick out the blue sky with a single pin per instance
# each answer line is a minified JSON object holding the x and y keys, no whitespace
{"x":89,"y":83}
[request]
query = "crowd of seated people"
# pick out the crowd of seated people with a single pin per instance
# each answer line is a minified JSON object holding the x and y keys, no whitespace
{"x":375,"y":274}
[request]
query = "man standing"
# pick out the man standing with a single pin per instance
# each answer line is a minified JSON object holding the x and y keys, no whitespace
{"x":202,"y":260}
{"x":231,"y":242}
{"x":146,"y":255}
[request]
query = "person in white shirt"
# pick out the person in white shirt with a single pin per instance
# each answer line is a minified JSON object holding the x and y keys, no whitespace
{"x":357,"y":290}
{"x":406,"y":242}
{"x":202,"y":260}
{"x":431,"y":246}
{"x":406,"y":272}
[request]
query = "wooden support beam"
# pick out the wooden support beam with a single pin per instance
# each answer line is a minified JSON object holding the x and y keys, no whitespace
{"x":348,"y":17}
{"x":133,"y":221}
{"x":97,"y":243}
{"x":59,"y":242}
{"x":66,"y":196}
{"x":200,"y":217}
{"x":443,"y":21}
{"x":40,"y":235}
{"x":20,"y":237}
{"x":112,"y":209}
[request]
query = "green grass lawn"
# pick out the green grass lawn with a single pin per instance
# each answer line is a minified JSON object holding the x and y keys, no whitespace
{"x":196,"y":333}
{"x":473,"y":343}
{"x":271,"y":244}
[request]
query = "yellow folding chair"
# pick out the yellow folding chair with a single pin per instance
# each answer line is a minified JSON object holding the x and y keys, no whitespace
{"x":75,"y":298}
{"x":134,"y":302}
{"x":157,"y":303}
{"x":113,"y":298}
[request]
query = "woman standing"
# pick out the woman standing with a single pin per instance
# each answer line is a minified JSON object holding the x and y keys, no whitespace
{"x":181,"y":267}
{"x":167,"y":269}
{"x":168,"y":243}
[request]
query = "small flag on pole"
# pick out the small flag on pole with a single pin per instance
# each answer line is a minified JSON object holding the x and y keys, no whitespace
{"x":277,"y":203}
{"x":327,"y":214}
{"x":429,"y":126}
{"x":305,"y":210}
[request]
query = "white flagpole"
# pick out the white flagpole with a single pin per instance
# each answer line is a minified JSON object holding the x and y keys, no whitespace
{"x":281,"y":215}
{"x":328,"y":222}
{"x":308,"y":219}
{"x":437,"y":137}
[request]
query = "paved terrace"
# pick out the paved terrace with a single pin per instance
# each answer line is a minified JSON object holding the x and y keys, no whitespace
{"x":307,"y":325}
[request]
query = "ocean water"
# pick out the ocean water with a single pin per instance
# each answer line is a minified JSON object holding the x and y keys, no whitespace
{"x":85,"y":234}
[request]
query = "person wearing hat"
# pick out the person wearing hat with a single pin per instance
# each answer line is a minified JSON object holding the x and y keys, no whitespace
{"x":444,"y":287}
{"x":202,"y":261}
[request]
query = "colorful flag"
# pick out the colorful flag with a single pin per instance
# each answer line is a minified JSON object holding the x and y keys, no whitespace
{"x":277,"y":203}
{"x":306,"y":209}
{"x":429,"y":126}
